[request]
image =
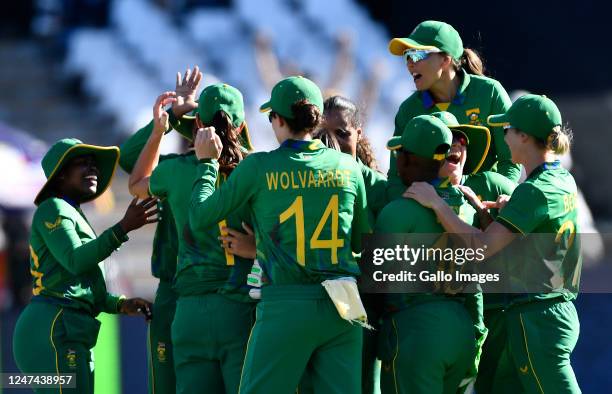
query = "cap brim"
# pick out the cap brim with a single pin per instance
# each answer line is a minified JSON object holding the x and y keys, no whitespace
{"x":245,"y":138}
{"x":479,"y":138}
{"x":395,"y":143}
{"x":397,"y":46}
{"x":498,"y":120}
{"x":107,"y":158}
{"x":265,"y":107}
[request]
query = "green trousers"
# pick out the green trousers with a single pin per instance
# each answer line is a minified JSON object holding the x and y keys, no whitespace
{"x":51,"y":339}
{"x":370,"y":366}
{"x":297,"y":325}
{"x":161,"y":360}
{"x":210,"y":334}
{"x":426,"y":348}
{"x":532,"y":343}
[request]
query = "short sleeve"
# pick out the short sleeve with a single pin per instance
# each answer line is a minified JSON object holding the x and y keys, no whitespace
{"x":160,"y":178}
{"x":525,"y":211}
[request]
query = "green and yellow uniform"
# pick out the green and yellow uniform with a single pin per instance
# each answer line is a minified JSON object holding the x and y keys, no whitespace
{"x":428,"y":341}
{"x":477,"y":97}
{"x":163,"y":267}
{"x":308,"y":205}
{"x":214,"y":313}
{"x":539,"y":326}
{"x":57,"y":330}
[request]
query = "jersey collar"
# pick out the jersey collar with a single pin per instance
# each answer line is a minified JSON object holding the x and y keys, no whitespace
{"x":550,"y":165}
{"x":459,"y":98}
{"x":303,"y":145}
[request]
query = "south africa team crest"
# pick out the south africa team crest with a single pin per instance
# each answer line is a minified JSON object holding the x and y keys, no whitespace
{"x":71,"y":358}
{"x":474,"y":116}
{"x":161,"y":352}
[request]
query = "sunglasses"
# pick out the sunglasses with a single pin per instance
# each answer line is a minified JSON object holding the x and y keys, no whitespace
{"x":506,"y":128}
{"x":416,"y":55}
{"x":271,"y":116}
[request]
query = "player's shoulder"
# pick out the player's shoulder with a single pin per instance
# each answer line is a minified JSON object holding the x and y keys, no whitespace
{"x":410,"y":105}
{"x":494,"y":179}
{"x":482,"y":82}
{"x":51,"y":209}
{"x":403,"y":207}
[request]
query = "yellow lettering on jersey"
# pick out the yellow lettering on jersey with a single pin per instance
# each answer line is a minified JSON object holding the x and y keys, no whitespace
{"x":311,"y":180}
{"x":303,"y":179}
{"x":330,"y":178}
{"x":569,"y":202}
{"x":272,"y":178}
{"x":321,"y":178}
{"x":293,"y":184}
{"x":284,"y":180}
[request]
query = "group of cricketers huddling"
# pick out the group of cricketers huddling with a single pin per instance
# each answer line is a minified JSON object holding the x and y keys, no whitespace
{"x":258,"y":253}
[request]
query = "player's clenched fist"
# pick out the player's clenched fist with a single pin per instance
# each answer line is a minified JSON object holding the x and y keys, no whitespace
{"x":208,"y":145}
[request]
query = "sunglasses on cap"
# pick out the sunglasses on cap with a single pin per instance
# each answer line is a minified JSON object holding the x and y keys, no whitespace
{"x":416,"y":55}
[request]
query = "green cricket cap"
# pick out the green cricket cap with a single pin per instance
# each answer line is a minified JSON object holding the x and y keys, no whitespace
{"x":226,"y":98}
{"x":425,"y":136}
{"x":288,"y":92}
{"x":536,"y":115}
{"x":430,"y":35}
{"x":478,"y":138}
{"x":65,"y":149}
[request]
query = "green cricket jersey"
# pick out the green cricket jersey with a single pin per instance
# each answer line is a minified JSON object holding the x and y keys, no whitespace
{"x":543,"y":210}
{"x":165,"y":240}
{"x":203,"y":265}
{"x":376,"y":190}
{"x":64,"y":258}
{"x":477,"y":98}
{"x":407,"y":216}
{"x":308,"y":204}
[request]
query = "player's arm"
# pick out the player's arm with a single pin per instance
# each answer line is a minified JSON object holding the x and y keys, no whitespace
{"x":376,"y":189}
{"x":149,"y":156}
{"x":361,"y":224}
{"x":395,"y":187}
{"x":492,"y":240}
{"x":500,"y":104}
{"x":210,"y":205}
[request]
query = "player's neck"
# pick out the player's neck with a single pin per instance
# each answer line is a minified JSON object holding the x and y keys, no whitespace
{"x":445,"y":89}
{"x":536,"y":159}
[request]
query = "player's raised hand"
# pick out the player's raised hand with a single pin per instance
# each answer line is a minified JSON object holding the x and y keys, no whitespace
{"x":207,"y":144}
{"x":160,"y":116}
{"x":139,"y":213}
{"x":186,"y":88}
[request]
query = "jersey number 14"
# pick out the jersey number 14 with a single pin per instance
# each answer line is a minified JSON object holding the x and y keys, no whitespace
{"x":297,"y":209}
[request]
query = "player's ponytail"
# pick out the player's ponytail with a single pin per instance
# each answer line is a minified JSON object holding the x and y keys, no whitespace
{"x":471,"y":62}
{"x":231,"y":154}
{"x":560,"y":140}
{"x":306,"y":117}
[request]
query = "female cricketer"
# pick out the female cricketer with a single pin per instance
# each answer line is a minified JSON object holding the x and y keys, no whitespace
{"x":165,"y":244}
{"x":449,"y":77}
{"x":461,"y":167}
{"x":57,"y":330}
{"x":210,"y":281}
{"x":308,"y":204}
{"x":540,"y":320}
{"x":428,"y":339}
